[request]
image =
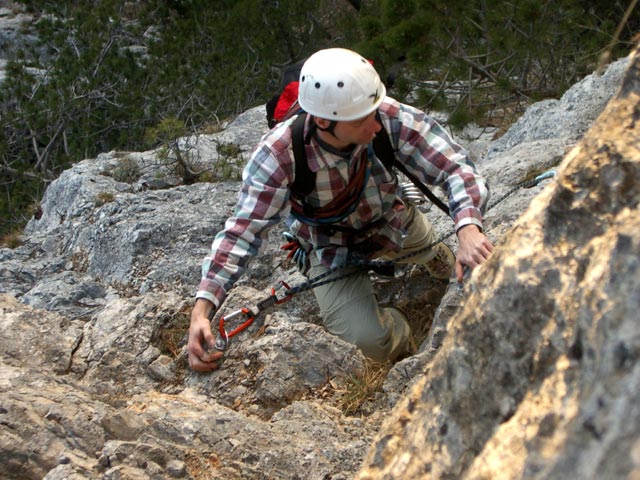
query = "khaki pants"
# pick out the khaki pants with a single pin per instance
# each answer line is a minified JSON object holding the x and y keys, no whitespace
{"x":350,"y":309}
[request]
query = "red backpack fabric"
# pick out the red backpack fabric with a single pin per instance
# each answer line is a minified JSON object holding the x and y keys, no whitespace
{"x":288,"y":97}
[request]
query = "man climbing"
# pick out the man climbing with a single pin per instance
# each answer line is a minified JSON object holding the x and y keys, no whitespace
{"x":355,"y":207}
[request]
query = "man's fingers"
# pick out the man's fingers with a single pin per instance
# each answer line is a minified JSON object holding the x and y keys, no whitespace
{"x":471,"y":260}
{"x":200,"y":366}
{"x":474,"y":250}
{"x":487,"y":248}
{"x":478,"y":257}
{"x":209,"y":339}
{"x":211,"y":356}
{"x":459,"y":271}
{"x":195,"y":346}
{"x":209,"y":361}
{"x":203,"y":352}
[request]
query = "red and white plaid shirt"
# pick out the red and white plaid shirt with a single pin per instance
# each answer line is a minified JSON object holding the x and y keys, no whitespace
{"x":421,"y":144}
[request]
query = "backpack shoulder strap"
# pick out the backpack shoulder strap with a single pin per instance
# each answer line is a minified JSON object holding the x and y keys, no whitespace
{"x":305,"y":179}
{"x":382,"y":146}
{"x":386,"y":153}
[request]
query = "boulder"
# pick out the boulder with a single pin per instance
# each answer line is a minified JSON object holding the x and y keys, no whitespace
{"x":538,"y":375}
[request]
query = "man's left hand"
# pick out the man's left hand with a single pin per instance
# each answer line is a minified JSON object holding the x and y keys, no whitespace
{"x":474,"y":248}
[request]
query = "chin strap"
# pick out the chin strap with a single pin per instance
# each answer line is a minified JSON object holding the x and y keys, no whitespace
{"x":329,"y":129}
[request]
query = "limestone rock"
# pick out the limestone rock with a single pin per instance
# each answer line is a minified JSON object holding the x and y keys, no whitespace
{"x":538,"y":376}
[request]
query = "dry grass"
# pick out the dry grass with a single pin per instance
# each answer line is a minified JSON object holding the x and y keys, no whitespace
{"x":103,"y":198}
{"x":12,"y":240}
{"x":172,"y":335}
{"x":359,"y":389}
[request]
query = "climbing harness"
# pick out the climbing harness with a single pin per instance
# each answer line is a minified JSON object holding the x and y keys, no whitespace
{"x":356,"y":262}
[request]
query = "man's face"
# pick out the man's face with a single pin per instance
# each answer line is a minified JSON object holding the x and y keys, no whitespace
{"x":359,"y":132}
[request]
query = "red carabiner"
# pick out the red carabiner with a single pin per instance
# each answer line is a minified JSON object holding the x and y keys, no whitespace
{"x":285,"y":298}
{"x":239,"y":328}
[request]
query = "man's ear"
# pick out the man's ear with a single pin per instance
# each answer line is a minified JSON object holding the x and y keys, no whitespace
{"x":322,"y":123}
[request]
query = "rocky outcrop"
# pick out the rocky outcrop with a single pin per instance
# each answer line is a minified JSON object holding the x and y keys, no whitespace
{"x":15,"y":32}
{"x":95,"y":303}
{"x":538,"y":377}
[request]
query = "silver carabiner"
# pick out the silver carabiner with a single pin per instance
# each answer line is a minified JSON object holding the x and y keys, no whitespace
{"x":222,"y":342}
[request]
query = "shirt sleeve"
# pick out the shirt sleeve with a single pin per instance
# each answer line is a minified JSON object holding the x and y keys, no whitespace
{"x":262,"y":203}
{"x":430,"y":153}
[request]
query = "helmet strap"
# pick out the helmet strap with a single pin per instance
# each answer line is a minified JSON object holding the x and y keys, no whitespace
{"x":330,"y":128}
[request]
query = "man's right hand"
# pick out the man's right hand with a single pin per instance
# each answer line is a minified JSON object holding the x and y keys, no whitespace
{"x":203,"y":357}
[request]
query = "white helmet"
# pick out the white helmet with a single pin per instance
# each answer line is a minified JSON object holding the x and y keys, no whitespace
{"x":338,"y":84}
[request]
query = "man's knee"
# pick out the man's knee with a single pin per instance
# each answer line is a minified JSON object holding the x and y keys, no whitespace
{"x":376,"y":345}
{"x":382,"y":335}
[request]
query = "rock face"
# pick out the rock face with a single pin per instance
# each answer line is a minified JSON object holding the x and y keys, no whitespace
{"x":539,"y":375}
{"x":529,"y":371}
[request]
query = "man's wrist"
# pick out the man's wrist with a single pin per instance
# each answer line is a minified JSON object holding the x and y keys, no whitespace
{"x":203,"y":306}
{"x":468,"y":225}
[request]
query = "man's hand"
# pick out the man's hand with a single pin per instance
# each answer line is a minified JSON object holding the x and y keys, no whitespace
{"x":202,"y":355}
{"x":474,"y":249}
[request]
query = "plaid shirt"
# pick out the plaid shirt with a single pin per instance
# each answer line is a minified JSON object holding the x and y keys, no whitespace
{"x":421,"y":144}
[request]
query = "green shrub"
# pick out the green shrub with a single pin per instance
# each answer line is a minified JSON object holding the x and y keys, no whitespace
{"x":127,"y":170}
{"x":230,"y":161}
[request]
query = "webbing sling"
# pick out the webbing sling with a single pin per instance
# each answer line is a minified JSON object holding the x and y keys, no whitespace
{"x":305,"y":179}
